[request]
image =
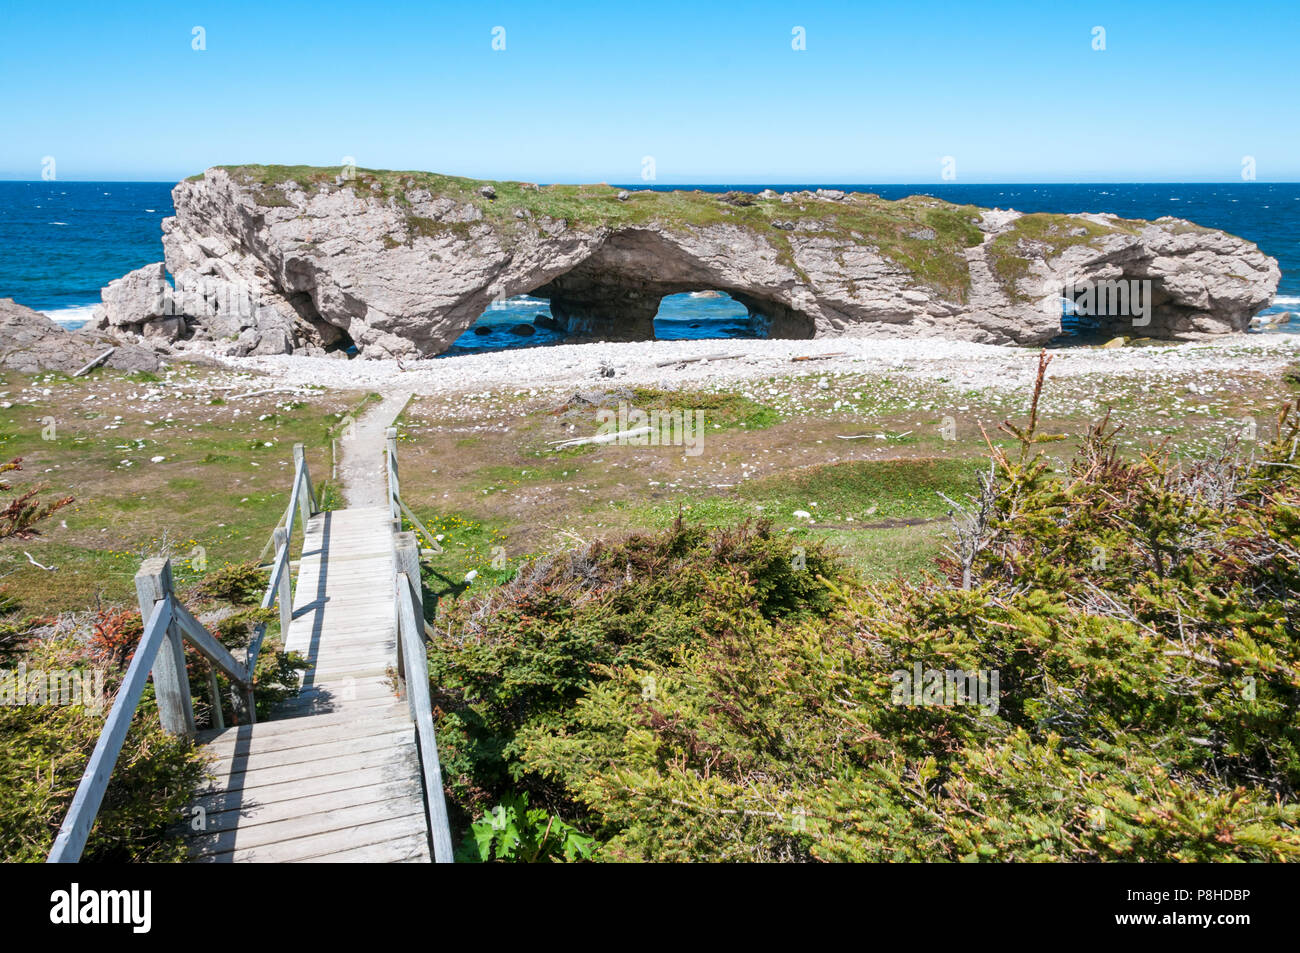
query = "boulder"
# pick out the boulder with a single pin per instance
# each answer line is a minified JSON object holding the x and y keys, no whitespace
{"x":137,"y":298}
{"x":31,"y":342}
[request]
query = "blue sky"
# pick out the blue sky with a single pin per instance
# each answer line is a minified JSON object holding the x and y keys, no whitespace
{"x":1013,"y":92}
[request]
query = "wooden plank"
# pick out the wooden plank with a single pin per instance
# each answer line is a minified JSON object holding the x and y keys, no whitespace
{"x":71,"y":839}
{"x":414,"y":848}
{"x":305,"y":737}
{"x":253,"y":811}
{"x":304,"y":837}
{"x":373,"y":663}
{"x":377,"y":757}
{"x":95,"y":363}
{"x":357,"y":642}
{"x":328,"y":702}
{"x":266,"y":729}
{"x":367,"y":689}
{"x":388,"y":772}
{"x":251,"y":762}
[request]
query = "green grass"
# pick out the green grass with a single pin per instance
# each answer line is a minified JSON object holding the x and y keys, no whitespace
{"x":219,"y":488}
{"x":859,"y":491}
{"x":867,"y":489}
{"x":468,"y":544}
{"x":722,"y":410}
{"x":1056,"y":232}
{"x":846,"y":503}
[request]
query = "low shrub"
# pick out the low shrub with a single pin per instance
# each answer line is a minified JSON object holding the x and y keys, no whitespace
{"x":241,"y":584}
{"x":1132,"y":623}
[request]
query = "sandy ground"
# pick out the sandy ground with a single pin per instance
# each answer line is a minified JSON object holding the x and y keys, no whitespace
{"x":659,"y":364}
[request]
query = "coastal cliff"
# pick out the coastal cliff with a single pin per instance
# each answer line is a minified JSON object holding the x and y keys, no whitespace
{"x":274,"y":259}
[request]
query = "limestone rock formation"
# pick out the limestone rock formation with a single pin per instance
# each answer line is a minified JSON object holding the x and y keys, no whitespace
{"x":399,"y":264}
{"x":31,"y":342}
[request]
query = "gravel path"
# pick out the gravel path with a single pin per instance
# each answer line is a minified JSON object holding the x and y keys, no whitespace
{"x":656,"y":363}
{"x":361,"y":470}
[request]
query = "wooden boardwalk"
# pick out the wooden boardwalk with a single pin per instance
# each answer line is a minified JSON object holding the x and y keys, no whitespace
{"x":335,"y":774}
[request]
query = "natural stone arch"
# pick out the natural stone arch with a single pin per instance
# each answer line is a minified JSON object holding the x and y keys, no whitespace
{"x":403,"y":263}
{"x":614,"y":294}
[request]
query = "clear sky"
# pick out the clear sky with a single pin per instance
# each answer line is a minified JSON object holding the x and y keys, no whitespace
{"x":1011,"y":91}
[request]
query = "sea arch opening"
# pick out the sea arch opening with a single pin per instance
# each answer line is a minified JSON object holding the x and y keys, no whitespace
{"x":709,"y":313}
{"x":638,"y":285}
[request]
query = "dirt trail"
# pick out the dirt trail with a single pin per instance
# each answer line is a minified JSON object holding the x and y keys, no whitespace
{"x":361,"y":469}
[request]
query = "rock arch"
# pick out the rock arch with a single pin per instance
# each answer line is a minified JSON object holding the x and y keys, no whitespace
{"x":614,"y":293}
{"x":402,"y":269}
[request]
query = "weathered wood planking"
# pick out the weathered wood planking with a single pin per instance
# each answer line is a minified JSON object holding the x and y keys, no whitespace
{"x":335,"y":774}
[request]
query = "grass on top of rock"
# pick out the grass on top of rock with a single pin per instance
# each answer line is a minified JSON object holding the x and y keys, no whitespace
{"x":925,"y":235}
{"x":1053,"y":234}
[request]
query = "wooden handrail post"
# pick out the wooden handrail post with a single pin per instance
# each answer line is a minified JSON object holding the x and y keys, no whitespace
{"x":394,"y":488}
{"x":406,"y":560}
{"x":306,"y":501}
{"x":153,"y":584}
{"x":241,"y":699}
{"x":214,"y":695}
{"x":285,"y":595}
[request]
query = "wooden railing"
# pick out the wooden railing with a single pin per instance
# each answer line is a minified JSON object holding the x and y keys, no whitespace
{"x":412,"y":664}
{"x":168,"y":624}
{"x":397,"y":508}
{"x":302,"y":502}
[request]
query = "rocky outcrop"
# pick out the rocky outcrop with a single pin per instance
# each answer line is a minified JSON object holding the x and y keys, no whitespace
{"x":243,"y":315}
{"x":31,"y":342}
{"x":277,"y":260}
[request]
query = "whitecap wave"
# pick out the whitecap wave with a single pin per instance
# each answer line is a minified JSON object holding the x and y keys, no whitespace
{"x":1286,"y":301}
{"x":71,"y":317}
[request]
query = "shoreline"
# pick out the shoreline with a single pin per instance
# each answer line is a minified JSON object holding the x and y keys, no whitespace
{"x":566,"y":366}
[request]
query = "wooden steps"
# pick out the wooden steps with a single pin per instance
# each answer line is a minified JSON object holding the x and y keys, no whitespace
{"x":334,"y":776}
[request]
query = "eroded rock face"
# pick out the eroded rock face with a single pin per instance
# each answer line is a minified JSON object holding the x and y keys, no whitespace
{"x":31,"y":342}
{"x":273,"y":268}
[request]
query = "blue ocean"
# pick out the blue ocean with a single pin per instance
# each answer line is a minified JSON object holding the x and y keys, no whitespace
{"x":63,"y":241}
